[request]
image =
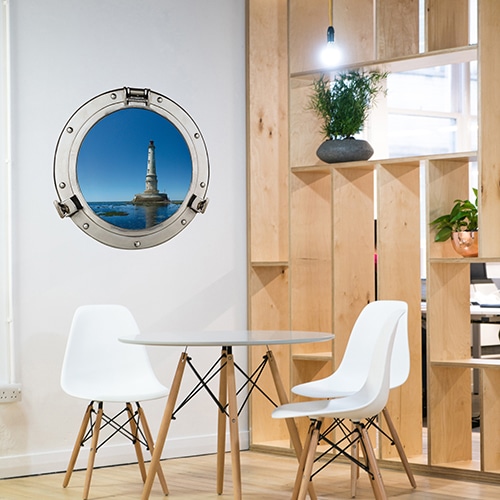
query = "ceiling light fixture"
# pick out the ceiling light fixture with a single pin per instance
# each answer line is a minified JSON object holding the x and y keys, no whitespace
{"x":330,"y":55}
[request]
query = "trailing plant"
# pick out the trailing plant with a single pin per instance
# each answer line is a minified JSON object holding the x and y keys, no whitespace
{"x":463,"y":217}
{"x":343,"y":102}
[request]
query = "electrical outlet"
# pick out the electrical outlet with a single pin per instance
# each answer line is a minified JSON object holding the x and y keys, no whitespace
{"x":9,"y":393}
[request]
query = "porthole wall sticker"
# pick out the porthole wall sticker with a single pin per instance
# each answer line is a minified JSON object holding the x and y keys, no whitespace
{"x":131,"y":169}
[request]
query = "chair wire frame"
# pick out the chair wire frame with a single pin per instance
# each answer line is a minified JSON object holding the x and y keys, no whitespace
{"x":134,"y":417}
{"x":349,"y":438}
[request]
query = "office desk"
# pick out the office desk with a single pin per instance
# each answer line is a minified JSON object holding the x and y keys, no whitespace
{"x":227,"y":398}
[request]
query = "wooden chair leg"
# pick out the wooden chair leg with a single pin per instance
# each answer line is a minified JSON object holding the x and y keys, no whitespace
{"x":93,"y":451}
{"x":221,"y":425}
{"x":375,"y":476}
{"x":354,"y":469}
{"x":304,"y":471}
{"x":78,"y":444}
{"x":399,"y":447}
{"x":136,"y":442}
{"x":150,"y":441}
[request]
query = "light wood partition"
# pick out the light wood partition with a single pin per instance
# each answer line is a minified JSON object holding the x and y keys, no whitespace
{"x":489,"y":147}
{"x":311,"y":225}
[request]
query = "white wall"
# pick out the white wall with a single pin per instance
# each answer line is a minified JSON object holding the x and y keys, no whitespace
{"x":64,"y":52}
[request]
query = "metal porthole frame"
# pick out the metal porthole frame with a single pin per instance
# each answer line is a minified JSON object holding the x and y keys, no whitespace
{"x":72,"y":203}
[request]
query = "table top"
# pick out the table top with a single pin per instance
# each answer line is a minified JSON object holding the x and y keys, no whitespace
{"x":228,"y":338}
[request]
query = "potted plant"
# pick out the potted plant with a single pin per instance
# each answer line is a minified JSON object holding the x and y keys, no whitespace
{"x":461,"y":226}
{"x":343,"y":103}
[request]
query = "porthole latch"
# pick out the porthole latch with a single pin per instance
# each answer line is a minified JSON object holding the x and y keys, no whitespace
{"x":68,"y":207}
{"x":137,"y":95}
{"x":198,"y":204}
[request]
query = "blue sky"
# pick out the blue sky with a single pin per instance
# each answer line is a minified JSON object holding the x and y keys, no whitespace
{"x":112,"y":159}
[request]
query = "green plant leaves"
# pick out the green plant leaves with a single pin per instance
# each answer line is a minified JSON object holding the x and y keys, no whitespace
{"x":343,"y":102}
{"x":463,"y":217}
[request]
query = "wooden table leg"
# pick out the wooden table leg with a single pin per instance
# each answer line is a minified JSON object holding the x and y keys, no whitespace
{"x":164,"y":426}
{"x":233,"y":425}
{"x":221,"y":426}
{"x":290,"y":422}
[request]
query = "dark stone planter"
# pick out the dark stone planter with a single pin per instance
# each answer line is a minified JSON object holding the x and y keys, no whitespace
{"x":343,"y":150}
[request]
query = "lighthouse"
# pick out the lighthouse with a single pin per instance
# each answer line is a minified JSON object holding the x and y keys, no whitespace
{"x":151,"y":195}
{"x":151,"y":178}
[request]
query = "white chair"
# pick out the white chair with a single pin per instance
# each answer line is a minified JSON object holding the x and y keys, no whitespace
{"x":353,"y":369}
{"x":99,"y":368}
{"x":367,"y":401}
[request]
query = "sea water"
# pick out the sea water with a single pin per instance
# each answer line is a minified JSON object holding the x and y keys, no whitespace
{"x":126,"y":215}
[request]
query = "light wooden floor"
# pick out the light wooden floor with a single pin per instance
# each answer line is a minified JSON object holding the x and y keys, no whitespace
{"x":265,"y":477}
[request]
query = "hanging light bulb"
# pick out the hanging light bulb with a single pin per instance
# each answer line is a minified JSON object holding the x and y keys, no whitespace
{"x":330,"y":55}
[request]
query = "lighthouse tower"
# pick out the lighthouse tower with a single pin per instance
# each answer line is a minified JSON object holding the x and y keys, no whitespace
{"x":151,"y":178}
{"x":151,"y":195}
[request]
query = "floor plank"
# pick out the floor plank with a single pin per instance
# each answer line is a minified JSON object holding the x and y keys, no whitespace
{"x":265,"y":477}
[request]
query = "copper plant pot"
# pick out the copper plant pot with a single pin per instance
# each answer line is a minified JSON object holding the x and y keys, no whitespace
{"x":465,"y":243}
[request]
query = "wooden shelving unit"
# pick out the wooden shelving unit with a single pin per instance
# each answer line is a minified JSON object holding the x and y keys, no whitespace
{"x":311,"y":225}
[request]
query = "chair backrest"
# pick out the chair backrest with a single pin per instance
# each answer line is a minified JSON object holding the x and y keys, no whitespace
{"x":363,"y":338}
{"x":97,"y":366}
{"x":353,"y":369}
{"x":374,"y":393}
{"x":375,"y":365}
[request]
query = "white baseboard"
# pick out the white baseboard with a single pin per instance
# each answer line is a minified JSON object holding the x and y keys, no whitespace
{"x":109,"y":454}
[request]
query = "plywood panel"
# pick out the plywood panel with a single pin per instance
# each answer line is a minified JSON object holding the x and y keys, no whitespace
{"x":449,"y":415}
{"x":310,"y":216}
{"x":398,"y":231}
{"x":447,"y":24}
{"x":263,"y":428}
{"x":490,"y":409}
{"x":489,"y":150}
{"x":447,"y":180}
{"x":310,"y":245}
{"x":353,"y":250}
{"x":309,"y":20}
{"x":448,"y":311}
{"x":268,"y":310}
{"x":268,"y":129}
{"x":397,"y":28}
{"x":305,"y":127}
{"x":269,"y":305}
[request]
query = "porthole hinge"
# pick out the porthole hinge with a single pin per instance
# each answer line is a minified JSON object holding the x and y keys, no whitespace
{"x":198,"y":204}
{"x":68,"y":207}
{"x":137,"y":95}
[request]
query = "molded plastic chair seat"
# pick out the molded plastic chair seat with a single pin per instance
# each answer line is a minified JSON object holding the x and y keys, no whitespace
{"x":349,"y":377}
{"x":99,"y":368}
{"x":367,"y":401}
{"x":353,"y":369}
